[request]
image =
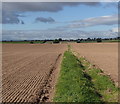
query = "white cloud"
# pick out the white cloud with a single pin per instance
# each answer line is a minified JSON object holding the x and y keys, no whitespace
{"x":103,"y":20}
{"x":115,"y":29}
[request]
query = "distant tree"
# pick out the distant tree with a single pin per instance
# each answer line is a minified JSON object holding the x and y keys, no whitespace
{"x":56,"y":41}
{"x":78,"y":40}
{"x":4,"y":41}
{"x":118,"y":38}
{"x":94,"y":39}
{"x":60,"y":39}
{"x":44,"y":41}
{"x":81,"y":39}
{"x":106,"y":39}
{"x":71,"y":40}
{"x":88,"y":39}
{"x":99,"y":40}
{"x":31,"y":42}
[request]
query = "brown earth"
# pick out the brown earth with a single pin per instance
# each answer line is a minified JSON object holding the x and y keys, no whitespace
{"x":103,"y":55}
{"x":29,"y":70}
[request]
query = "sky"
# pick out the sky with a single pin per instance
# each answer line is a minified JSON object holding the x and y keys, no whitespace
{"x":51,"y":20}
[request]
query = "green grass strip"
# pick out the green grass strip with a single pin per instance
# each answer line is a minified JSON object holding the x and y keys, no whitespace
{"x":74,"y":85}
{"x":102,"y":83}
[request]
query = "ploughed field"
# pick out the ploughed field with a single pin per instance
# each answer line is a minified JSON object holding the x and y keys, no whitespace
{"x":103,"y":55}
{"x":26,"y":69}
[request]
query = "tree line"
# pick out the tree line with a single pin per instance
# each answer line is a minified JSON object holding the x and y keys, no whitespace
{"x":79,"y":40}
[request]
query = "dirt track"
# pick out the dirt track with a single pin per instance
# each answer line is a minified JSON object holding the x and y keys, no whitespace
{"x":27,"y":70}
{"x":103,"y":55}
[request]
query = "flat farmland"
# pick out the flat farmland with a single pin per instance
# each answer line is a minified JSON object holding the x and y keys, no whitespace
{"x":103,"y":55}
{"x":27,"y":70}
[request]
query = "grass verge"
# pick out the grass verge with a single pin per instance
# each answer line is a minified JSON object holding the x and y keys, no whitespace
{"x":103,"y":84}
{"x":74,"y":84}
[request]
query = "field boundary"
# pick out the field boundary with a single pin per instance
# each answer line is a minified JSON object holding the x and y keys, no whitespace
{"x":95,"y":66}
{"x":113,"y":89}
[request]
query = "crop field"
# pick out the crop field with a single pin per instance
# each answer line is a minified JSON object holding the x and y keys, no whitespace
{"x":103,"y":55}
{"x":69,"y":72}
{"x":27,"y":69}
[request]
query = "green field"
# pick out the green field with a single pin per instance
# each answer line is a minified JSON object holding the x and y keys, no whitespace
{"x":103,"y":41}
{"x":79,"y":81}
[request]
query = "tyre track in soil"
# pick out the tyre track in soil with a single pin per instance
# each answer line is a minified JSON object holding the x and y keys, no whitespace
{"x":28,"y":80}
{"x":44,"y":94}
{"x":14,"y":96}
{"x":11,"y":69}
{"x":20,"y":66}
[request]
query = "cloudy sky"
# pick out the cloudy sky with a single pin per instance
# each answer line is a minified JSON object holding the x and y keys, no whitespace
{"x":67,"y":20}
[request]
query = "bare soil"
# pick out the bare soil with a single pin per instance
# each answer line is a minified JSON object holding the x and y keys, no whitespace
{"x":102,"y":55}
{"x":29,"y":71}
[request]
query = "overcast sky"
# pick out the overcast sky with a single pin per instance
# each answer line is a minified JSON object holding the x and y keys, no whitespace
{"x":68,"y":20}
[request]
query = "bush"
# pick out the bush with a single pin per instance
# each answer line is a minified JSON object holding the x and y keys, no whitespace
{"x":99,"y":40}
{"x":56,"y":41}
{"x":60,"y":39}
{"x":78,"y":41}
{"x":31,"y":42}
{"x":44,"y":41}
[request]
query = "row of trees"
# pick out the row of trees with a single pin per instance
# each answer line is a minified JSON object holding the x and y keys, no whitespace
{"x":88,"y":40}
{"x":60,"y":40}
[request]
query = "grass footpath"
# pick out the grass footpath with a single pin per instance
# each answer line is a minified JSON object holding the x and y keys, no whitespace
{"x":74,"y":85}
{"x":78,"y":83}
